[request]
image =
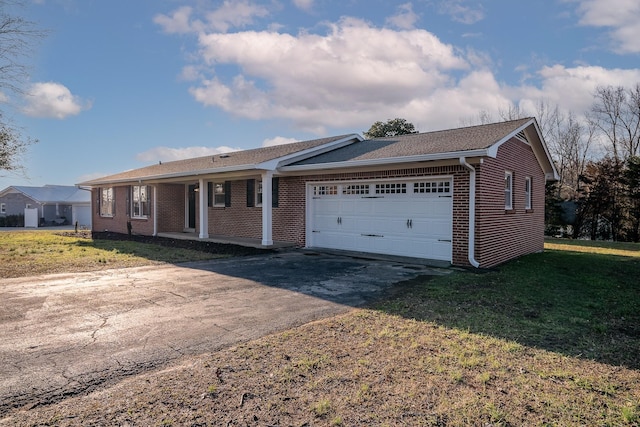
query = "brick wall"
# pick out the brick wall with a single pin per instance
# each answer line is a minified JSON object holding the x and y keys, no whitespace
{"x":505,"y":234}
{"x":118,"y":222}
{"x":171,"y":207}
{"x":238,"y":219}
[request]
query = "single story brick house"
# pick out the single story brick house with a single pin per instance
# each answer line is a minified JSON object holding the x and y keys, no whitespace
{"x":472,"y":196}
{"x":56,"y":204}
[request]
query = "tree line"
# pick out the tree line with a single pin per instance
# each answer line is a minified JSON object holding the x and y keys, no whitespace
{"x":597,"y":158}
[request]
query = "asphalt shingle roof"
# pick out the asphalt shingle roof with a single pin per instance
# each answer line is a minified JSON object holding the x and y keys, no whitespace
{"x":444,"y":141}
{"x":55,"y":194}
{"x":215,"y":162}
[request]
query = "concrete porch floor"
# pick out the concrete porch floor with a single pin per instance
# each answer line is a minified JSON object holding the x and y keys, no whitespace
{"x":241,"y":241}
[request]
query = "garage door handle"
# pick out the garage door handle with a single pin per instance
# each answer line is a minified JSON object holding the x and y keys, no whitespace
{"x":444,"y":240}
{"x":372,"y":235}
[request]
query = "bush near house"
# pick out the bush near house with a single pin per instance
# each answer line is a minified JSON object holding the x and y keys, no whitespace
{"x":12,"y":221}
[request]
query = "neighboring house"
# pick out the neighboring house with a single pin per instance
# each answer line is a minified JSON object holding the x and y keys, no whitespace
{"x":56,"y":204}
{"x":468,"y":196}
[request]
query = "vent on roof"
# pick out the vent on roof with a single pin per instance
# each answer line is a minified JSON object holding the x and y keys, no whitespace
{"x":224,"y":156}
{"x":522,"y":136}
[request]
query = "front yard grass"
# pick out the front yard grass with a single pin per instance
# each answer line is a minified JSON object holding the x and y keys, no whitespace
{"x":550,"y":339}
{"x":28,"y":253}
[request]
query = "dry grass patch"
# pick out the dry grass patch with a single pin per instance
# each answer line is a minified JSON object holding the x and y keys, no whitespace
{"x":27,"y":253}
{"x":365,"y":368}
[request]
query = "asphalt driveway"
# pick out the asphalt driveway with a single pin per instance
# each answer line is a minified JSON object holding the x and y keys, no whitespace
{"x":71,"y":333}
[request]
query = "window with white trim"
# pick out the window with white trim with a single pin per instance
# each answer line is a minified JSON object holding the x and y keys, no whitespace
{"x":391,"y":188}
{"x":107,"y":202}
{"x":527,"y":192}
{"x":325,"y":190}
{"x":508,"y":190}
{"x":432,"y":187}
{"x":139,"y":201}
{"x":218,"y":194}
{"x":355,"y":189}
{"x":258,"y":193}
{"x":3,"y":208}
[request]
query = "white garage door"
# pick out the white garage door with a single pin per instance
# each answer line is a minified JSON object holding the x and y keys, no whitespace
{"x":408,"y":218}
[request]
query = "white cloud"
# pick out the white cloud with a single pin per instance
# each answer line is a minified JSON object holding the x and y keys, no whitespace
{"x":353,"y":71}
{"x":405,"y":19}
{"x":354,"y":74}
{"x":305,"y":5}
{"x":167,"y":154}
{"x":621,"y":16}
{"x":460,"y":12}
{"x":278,"y":140}
{"x":571,"y":88}
{"x":231,"y":14}
{"x":52,"y":100}
{"x":179,"y":22}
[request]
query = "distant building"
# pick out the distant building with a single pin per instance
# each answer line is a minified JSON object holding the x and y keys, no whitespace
{"x":56,"y":204}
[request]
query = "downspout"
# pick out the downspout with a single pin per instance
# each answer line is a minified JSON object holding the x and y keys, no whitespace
{"x":155,"y":210}
{"x":472,"y":211}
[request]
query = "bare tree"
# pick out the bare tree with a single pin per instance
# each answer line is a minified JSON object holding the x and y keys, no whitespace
{"x":616,"y":114}
{"x":16,"y":40}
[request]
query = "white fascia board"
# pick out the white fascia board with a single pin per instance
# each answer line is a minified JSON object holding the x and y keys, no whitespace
{"x":188,"y":174}
{"x":493,"y":150}
{"x":387,"y":161}
{"x":555,"y":176}
{"x":277,"y":163}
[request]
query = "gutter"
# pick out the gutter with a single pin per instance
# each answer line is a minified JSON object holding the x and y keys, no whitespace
{"x":472,"y":211}
{"x":383,"y":161}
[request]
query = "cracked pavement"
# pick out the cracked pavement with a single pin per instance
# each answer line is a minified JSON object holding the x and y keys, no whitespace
{"x":67,"y":334}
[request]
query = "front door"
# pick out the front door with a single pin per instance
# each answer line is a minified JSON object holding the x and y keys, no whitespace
{"x":191,"y":207}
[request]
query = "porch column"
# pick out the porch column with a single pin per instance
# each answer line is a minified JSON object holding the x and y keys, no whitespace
{"x":267,"y":209}
{"x":204,"y":211}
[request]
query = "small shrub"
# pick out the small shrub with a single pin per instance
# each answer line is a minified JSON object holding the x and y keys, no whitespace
{"x":322,"y":408}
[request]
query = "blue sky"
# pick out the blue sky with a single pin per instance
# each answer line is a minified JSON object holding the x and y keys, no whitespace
{"x":118,"y":85}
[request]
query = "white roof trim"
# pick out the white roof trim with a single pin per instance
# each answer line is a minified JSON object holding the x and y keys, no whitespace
{"x":493,"y":150}
{"x":387,"y":160}
{"x":274,"y":164}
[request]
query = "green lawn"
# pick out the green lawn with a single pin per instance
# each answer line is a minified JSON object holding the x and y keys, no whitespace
{"x":577,"y":298}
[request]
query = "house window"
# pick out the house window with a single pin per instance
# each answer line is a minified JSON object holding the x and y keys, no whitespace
{"x":258,"y":193}
{"x":218,"y":194}
{"x":527,"y":192}
{"x":3,"y":208}
{"x":107,"y":202}
{"x":508,"y":190}
{"x":140,"y":201}
{"x":28,"y":206}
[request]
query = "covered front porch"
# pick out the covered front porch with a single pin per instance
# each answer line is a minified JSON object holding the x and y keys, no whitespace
{"x":240,"y":241}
